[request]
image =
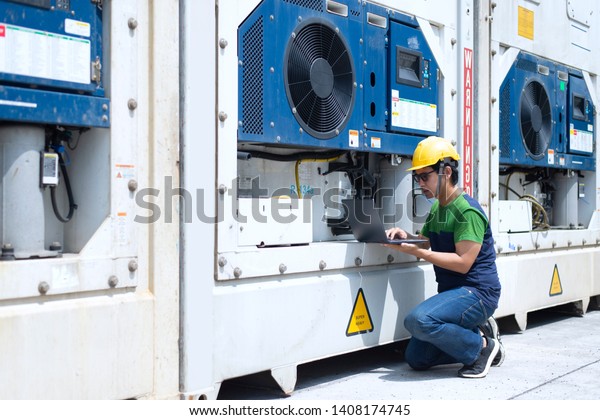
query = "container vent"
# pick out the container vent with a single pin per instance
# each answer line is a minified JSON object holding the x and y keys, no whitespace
{"x":252,"y":79}
{"x":505,"y":121}
{"x":309,"y":4}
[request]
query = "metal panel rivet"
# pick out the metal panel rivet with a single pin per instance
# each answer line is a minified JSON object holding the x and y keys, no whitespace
{"x":282,"y":268}
{"x":223,"y":43}
{"x":569,"y":243}
{"x":222,"y":116}
{"x":132,"y":104}
{"x":222,"y":261}
{"x":453,"y":92}
{"x":237,"y":272}
{"x":104,"y":107}
{"x":519,"y":247}
{"x":357,"y":261}
{"x":132,"y":266}
{"x":113,"y":281}
{"x":453,"y":41}
{"x":43,"y":288}
{"x":222,"y":189}
{"x":132,"y":23}
{"x":132,"y":185}
{"x":322,"y":265}
{"x":537,"y":245}
{"x":499,"y":249}
{"x":390,"y":258}
{"x":553,"y":244}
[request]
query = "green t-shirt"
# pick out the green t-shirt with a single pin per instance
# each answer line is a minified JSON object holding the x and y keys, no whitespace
{"x":464,"y":220}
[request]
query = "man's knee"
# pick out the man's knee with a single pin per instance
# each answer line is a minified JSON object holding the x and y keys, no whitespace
{"x":418,"y":323}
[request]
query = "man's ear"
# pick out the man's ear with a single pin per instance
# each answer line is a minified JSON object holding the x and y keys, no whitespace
{"x":447,"y":170}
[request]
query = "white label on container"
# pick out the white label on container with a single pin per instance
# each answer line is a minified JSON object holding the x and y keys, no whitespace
{"x":582,"y":141}
{"x":33,"y":53}
{"x":411,"y":114}
{"x":75,"y":27}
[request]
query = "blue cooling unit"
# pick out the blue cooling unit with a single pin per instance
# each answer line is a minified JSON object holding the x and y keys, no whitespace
{"x":51,"y":63}
{"x":318,"y":73}
{"x":546,"y":116}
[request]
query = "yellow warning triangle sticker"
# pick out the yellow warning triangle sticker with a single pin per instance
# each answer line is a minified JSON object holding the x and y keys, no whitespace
{"x":360,"y":320}
{"x":555,"y":286}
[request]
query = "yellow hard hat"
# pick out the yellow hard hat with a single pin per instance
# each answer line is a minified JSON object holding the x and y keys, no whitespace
{"x":432,"y":150}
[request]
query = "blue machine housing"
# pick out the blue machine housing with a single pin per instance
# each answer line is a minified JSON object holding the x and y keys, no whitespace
{"x":321,"y":74}
{"x":402,"y":100}
{"x":580,"y":117}
{"x":51,"y":63}
{"x":537,"y":100}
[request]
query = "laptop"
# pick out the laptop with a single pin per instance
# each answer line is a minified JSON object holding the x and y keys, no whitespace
{"x":366,"y":224}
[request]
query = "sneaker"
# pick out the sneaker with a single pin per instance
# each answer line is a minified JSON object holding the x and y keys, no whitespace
{"x":490,"y":329}
{"x":481,"y":367}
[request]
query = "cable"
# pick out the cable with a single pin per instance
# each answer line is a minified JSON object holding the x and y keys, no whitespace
{"x":297,"y":167}
{"x":294,"y":156}
{"x":72,"y":205}
{"x":539,"y":216}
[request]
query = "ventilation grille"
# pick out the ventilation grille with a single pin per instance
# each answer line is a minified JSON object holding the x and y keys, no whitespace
{"x":527,"y":65}
{"x":505,"y":121}
{"x":535,"y":117}
{"x":252,"y":79}
{"x":319,"y":80}
{"x":309,"y":4}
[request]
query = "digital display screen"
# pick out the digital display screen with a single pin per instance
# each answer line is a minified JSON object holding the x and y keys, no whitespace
{"x":408,"y":66}
{"x":579,"y":108}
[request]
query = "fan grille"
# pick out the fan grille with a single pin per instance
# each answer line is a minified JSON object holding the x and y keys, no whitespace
{"x":319,"y":79}
{"x":535,"y":119}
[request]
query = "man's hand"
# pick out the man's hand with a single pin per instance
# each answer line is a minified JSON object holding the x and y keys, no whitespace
{"x":396,"y":233}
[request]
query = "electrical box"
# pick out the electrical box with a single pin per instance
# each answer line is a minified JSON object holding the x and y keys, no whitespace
{"x":274,"y":221}
{"x":514,"y":216}
{"x":51,"y":63}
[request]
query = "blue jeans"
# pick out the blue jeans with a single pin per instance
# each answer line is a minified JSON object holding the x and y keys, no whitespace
{"x":444,"y":329}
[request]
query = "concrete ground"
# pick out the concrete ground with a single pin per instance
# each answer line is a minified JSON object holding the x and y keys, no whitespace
{"x":556,"y":358}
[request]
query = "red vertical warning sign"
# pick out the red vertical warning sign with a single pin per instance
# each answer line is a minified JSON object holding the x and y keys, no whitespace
{"x":468,"y":122}
{"x":2,"y":31}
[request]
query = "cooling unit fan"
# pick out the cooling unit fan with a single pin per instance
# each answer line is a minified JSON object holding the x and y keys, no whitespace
{"x":535,"y":118}
{"x":319,"y":79}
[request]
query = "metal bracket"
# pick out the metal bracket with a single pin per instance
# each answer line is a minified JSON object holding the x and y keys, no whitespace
{"x":97,"y":70}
